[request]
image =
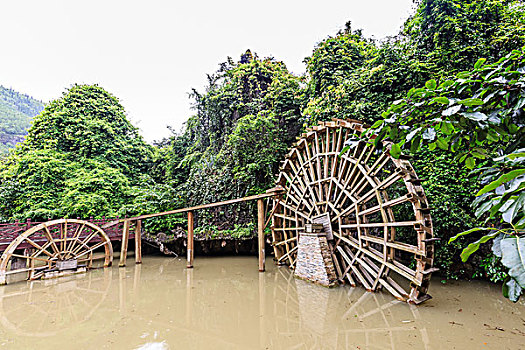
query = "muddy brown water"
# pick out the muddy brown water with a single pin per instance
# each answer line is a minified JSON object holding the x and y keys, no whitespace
{"x":224,"y":303}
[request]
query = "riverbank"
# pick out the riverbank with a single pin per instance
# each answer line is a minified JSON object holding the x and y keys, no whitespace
{"x":175,"y":244}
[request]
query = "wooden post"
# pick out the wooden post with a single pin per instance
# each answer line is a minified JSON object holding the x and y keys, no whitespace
{"x":124,"y":247}
{"x":190,"y":240}
{"x":138,"y":242}
{"x":260,"y":232}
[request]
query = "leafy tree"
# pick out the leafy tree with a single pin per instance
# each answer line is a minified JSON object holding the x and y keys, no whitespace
{"x":81,"y":158}
{"x":451,"y":35}
{"x":247,"y":117}
{"x":254,"y":148}
{"x":89,"y":123}
{"x":149,"y":196}
{"x":336,"y":57}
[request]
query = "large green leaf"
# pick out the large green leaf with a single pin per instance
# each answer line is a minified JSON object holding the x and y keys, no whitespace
{"x":471,"y":102}
{"x":475,"y":116}
{"x":431,"y":84}
{"x":513,"y":257}
{"x":395,"y":151}
{"x":441,"y":99}
{"x":511,"y":208}
{"x":472,"y":247}
{"x":464,"y":233}
{"x":479,"y":63}
{"x":501,"y":180}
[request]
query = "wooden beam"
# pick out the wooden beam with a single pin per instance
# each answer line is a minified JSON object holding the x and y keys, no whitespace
{"x":204,"y":206}
{"x":138,"y":242}
{"x":124,"y":246}
{"x":189,"y":245}
{"x":260,"y":233}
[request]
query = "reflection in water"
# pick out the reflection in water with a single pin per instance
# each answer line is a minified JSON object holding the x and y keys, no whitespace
{"x":47,"y":308}
{"x":225,"y":303}
{"x":324,"y":316}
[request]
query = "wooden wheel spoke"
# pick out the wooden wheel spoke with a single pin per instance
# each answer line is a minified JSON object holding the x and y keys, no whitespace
{"x":91,"y":249}
{"x":41,"y":249}
{"x":51,"y":240}
{"x":83,"y":244}
{"x":30,"y":257}
{"x":74,"y":240}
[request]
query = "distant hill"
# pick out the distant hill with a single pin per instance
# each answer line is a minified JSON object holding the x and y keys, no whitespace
{"x":16,"y":112}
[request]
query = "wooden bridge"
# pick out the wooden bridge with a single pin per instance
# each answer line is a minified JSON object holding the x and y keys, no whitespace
{"x":64,"y":246}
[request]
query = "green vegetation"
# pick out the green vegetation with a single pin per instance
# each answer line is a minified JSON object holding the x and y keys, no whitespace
{"x":231,"y":147}
{"x":81,"y":158}
{"x":449,"y":88}
{"x":16,"y":113}
{"x":478,"y":116}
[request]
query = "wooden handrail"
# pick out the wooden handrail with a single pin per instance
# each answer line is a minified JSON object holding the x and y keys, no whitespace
{"x":190,"y":250}
{"x":270,"y":193}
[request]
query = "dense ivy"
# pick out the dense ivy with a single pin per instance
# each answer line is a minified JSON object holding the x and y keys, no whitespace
{"x":88,"y":122}
{"x":246,"y":119}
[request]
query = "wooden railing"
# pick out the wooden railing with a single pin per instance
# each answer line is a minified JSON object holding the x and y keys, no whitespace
{"x":10,"y":230}
{"x":136,"y":221}
{"x":122,"y":229}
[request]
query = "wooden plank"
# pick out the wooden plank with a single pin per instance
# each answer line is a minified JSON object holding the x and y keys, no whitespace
{"x":204,"y":206}
{"x":124,"y":246}
{"x":260,"y":233}
{"x":138,"y":242}
{"x":408,"y":274}
{"x":288,"y":254}
{"x":324,"y":219}
{"x":277,"y":229}
{"x":189,"y":245}
{"x":391,"y":290}
{"x":276,"y":204}
{"x":397,"y":245}
{"x":285,"y":241}
{"x":390,"y":203}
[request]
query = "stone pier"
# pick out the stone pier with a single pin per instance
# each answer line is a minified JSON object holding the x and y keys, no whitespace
{"x":314,"y":259}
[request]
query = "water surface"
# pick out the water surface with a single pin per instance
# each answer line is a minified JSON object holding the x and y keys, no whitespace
{"x":225,"y":303}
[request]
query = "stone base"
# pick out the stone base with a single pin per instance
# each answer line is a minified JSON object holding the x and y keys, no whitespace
{"x":314,"y":260}
{"x":57,"y":273}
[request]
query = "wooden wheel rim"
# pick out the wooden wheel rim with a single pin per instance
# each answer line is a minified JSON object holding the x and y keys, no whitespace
{"x":69,"y":245}
{"x":362,"y":192}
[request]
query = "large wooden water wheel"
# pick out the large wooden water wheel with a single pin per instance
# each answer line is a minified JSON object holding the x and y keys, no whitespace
{"x":56,"y":248}
{"x":372,"y":203}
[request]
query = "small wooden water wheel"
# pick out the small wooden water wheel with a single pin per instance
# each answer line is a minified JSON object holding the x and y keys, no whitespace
{"x":55,"y":248}
{"x":373,"y":204}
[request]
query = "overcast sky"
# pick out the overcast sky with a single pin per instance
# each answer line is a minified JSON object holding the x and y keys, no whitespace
{"x":151,"y":53}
